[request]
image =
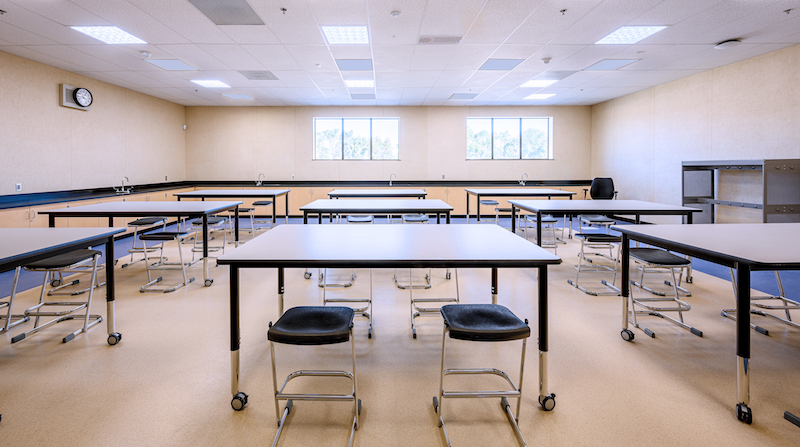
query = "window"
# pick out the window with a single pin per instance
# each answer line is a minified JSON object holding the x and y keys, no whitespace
{"x":356,"y":138}
{"x":509,"y":138}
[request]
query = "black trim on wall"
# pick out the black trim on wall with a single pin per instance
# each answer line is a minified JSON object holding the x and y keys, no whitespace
{"x":53,"y":197}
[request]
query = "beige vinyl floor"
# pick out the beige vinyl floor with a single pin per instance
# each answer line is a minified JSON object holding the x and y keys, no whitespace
{"x":168,"y":382}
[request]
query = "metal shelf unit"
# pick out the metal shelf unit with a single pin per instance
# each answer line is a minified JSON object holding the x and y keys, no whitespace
{"x":780,"y":181}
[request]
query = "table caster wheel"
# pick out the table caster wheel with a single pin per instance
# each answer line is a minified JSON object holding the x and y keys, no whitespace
{"x":307,"y":275}
{"x":627,"y":335}
{"x":114,"y":338}
{"x":55,"y":283}
{"x":448,"y":275}
{"x":548,"y":403}
{"x":209,"y":282}
{"x":239,"y":401}
{"x":744,"y":413}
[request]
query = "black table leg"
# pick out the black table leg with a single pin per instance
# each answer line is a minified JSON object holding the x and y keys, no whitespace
{"x":546,"y":399}
{"x":539,"y":228}
{"x":274,"y":210}
{"x":743,"y":411}
{"x":239,"y":398}
{"x":494,"y":285}
{"x":625,"y":291}
{"x":513,"y":219}
{"x":467,"y":207}
{"x":113,"y":336}
{"x":208,"y":281}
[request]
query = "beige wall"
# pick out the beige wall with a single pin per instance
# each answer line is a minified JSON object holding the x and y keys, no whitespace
{"x":234,"y":143}
{"x":47,"y":147}
{"x":746,"y":110}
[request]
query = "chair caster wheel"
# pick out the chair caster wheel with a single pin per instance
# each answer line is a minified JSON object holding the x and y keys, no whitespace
{"x":627,"y":335}
{"x":548,"y":403}
{"x":239,"y":401}
{"x":55,"y":283}
{"x":114,"y":338}
{"x":209,"y":282}
{"x":744,"y":413}
{"x":307,"y":275}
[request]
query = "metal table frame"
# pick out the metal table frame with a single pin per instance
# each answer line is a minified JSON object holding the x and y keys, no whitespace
{"x":235,"y":194}
{"x":636,"y":208}
{"x":376,"y":206}
{"x":377,"y":193}
{"x":374,"y":246}
{"x":151,"y":209}
{"x":745,"y":247}
{"x":513,"y":192}
{"x":21,"y":246}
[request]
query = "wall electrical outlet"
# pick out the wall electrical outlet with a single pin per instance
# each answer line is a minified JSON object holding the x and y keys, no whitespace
{"x":165,"y":178}
{"x":18,"y":187}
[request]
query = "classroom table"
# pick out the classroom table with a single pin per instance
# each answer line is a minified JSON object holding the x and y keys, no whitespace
{"x":744,"y":247}
{"x":154,"y":209}
{"x":636,"y":208}
{"x":377,"y":206}
{"x":512,"y":192}
{"x":376,"y":193}
{"x":22,"y":246}
{"x":243,"y":193}
{"x":387,"y":246}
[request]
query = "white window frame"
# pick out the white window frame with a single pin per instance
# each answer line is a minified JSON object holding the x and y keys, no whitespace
{"x":342,"y":120}
{"x":549,"y":119}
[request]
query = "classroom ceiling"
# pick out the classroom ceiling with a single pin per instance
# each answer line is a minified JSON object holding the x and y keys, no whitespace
{"x":410,"y":67}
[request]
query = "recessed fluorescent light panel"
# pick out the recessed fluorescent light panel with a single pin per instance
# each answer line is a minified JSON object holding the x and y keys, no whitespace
{"x":237,"y":96}
{"x":500,"y":64}
{"x":629,"y":34}
{"x":108,"y":34}
{"x":356,"y":84}
{"x":611,"y":64}
{"x":354,"y":64}
{"x":362,"y":95}
{"x":464,"y":96}
{"x":171,"y":64}
{"x":346,"y":35}
{"x":228,"y":12}
{"x":540,"y":96}
{"x":538,"y":83}
{"x":211,"y":83}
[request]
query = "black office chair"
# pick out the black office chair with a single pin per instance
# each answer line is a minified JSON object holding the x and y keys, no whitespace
{"x":602,"y":188}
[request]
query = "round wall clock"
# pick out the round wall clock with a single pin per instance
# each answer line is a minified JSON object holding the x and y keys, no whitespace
{"x":82,"y":97}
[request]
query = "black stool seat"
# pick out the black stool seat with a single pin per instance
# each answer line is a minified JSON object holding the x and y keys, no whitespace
{"x":163,"y":236}
{"x":415,"y":218}
{"x":262,"y":203}
{"x":63,"y":260}
{"x":359,"y":219}
{"x":212,"y":220}
{"x":545,"y":218}
{"x":601,"y":238}
{"x":657,"y":256}
{"x":245,"y":209}
{"x":313,"y":325}
{"x":147,"y":221}
{"x":489,"y":202}
{"x":483,"y":322}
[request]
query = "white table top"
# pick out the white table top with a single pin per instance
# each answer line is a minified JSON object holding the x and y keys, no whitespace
{"x":234,"y":193}
{"x":152,"y":208}
{"x":377,"y":193}
{"x":24,"y":243}
{"x":519,"y":192}
{"x":377,"y":206}
{"x":602,"y":206}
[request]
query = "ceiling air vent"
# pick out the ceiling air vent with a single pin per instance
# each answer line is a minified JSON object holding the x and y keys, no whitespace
{"x":259,"y":75}
{"x":439,"y":40}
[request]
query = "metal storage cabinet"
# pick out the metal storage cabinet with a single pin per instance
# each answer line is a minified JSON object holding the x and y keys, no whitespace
{"x":780,"y":180}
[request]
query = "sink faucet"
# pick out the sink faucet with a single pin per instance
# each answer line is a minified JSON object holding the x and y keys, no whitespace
{"x":390,"y":178}
{"x":522,"y":179}
{"x":122,"y":189}
{"x":258,"y":182}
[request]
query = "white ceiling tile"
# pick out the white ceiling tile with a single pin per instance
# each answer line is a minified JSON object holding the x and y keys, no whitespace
{"x":327,"y":80}
{"x":393,"y":79}
{"x":604,"y":19}
{"x":431,"y":57}
{"x":19,"y":36}
{"x":401,"y":30}
{"x":194,"y":56}
{"x":516,"y":51}
{"x":137,"y":79}
{"x":452,"y":78}
{"x":392,"y":58}
{"x":421,"y":78}
{"x":588,"y":56}
{"x":249,"y":34}
{"x":339,"y":13}
{"x":415,"y":93}
{"x":230,"y":77}
{"x":292,"y":79}
{"x":235,"y":57}
{"x":272,"y":57}
{"x":494,"y":23}
{"x":165,"y":77}
{"x":133,"y":19}
{"x":114,"y":54}
{"x":449,"y":17}
{"x":75,"y":56}
{"x":482,"y":79}
{"x":388,"y":93}
{"x":441,"y":93}
{"x":309,"y":93}
{"x":548,"y":22}
{"x":297,"y":26}
{"x":470,"y":57}
{"x":308,"y":56}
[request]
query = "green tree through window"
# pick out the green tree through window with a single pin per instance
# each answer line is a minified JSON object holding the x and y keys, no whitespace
{"x":509,"y":138}
{"x":356,"y":138}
